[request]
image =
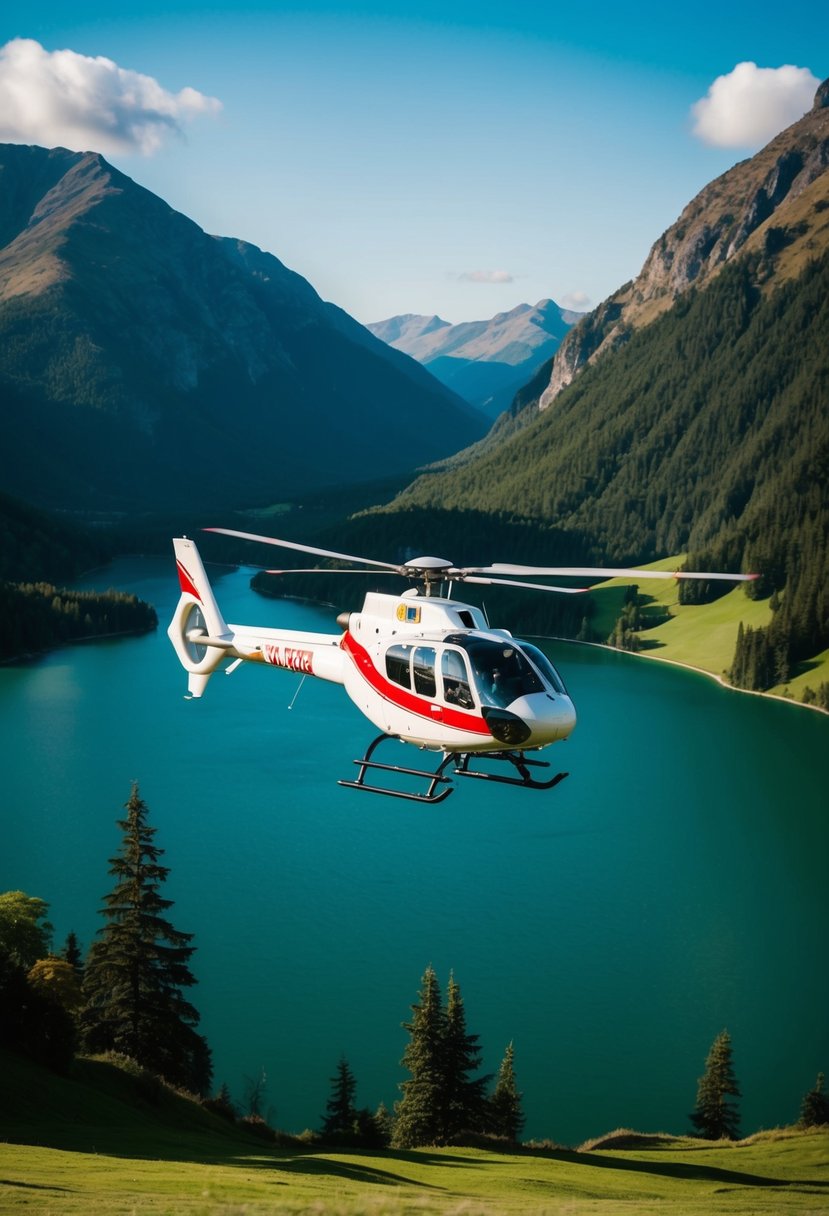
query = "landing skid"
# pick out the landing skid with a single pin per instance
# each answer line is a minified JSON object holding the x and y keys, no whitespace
{"x":435,"y":779}
{"x":439,"y":785}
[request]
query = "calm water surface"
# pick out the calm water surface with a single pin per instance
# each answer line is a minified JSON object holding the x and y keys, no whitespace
{"x":674,"y":885}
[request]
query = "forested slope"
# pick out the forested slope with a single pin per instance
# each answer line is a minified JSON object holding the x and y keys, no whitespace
{"x":708,"y":432}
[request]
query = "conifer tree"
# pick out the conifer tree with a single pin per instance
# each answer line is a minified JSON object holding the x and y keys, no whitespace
{"x":341,"y":1113}
{"x":418,"y":1113}
{"x":505,"y":1114}
{"x":463,"y":1098}
{"x":714,"y":1117}
{"x":136,"y":972}
{"x":384,"y":1121}
{"x":72,"y":953}
{"x":222,"y":1103}
{"x":814,"y":1109}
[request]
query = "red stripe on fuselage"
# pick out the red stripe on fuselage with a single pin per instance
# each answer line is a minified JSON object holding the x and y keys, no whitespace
{"x":403,"y":699}
{"x":186,"y":583}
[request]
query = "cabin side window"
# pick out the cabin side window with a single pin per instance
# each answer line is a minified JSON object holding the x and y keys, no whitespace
{"x":455,"y":680}
{"x":423,"y":667}
{"x":397,"y":665}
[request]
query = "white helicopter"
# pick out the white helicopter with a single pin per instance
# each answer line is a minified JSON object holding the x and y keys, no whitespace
{"x":426,"y":669}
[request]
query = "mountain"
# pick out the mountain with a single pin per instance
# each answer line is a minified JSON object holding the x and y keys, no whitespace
{"x":486,"y":362}
{"x":734,"y":214}
{"x":690,"y":411}
{"x":145,"y":364}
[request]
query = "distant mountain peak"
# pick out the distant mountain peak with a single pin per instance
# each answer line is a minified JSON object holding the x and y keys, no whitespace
{"x":402,"y":330}
{"x":487,"y":361}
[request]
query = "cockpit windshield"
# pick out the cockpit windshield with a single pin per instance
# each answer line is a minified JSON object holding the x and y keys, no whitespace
{"x":500,"y":671}
{"x":545,"y":667}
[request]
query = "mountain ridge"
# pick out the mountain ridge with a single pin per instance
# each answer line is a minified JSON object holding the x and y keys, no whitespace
{"x":154,"y":354}
{"x":713,"y":228}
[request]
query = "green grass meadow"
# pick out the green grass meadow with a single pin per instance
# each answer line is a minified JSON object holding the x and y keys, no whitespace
{"x":103,"y":1141}
{"x":702,"y":636}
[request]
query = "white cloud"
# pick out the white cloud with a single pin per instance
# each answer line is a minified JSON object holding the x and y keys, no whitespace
{"x":63,"y":98}
{"x":576,"y":301}
{"x":750,"y":105}
{"x":486,"y":276}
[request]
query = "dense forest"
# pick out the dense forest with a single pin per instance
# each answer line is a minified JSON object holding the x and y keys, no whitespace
{"x":37,"y":616}
{"x":127,"y":1001}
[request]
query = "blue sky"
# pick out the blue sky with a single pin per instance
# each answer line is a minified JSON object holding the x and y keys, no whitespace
{"x":450,"y":158}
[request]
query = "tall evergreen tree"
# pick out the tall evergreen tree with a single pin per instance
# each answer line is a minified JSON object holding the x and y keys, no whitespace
{"x":463,"y":1102}
{"x":136,"y":972}
{"x":714,"y":1117}
{"x":72,"y":953}
{"x":505,"y":1115}
{"x":418,"y":1113}
{"x":340,"y":1112}
{"x":814,"y":1109}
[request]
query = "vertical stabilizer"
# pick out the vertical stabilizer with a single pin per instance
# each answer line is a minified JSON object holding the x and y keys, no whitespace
{"x":195,"y":585}
{"x":197,"y":616}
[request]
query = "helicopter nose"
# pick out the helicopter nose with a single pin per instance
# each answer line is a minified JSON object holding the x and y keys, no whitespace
{"x":546,"y":718}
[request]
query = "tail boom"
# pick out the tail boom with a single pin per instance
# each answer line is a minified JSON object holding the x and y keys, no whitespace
{"x":203,"y":641}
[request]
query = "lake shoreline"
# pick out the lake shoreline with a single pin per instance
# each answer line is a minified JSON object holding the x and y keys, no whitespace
{"x":712,"y":675}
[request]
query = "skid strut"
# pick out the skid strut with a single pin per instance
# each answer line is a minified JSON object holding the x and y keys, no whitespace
{"x":521,"y":763}
{"x":435,"y":779}
{"x":440,"y":786}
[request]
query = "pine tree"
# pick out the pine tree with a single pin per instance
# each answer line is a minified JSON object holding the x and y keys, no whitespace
{"x":341,"y":1113}
{"x":418,"y":1113}
{"x":384,"y":1121}
{"x":136,"y":972}
{"x":463,"y":1099}
{"x":814,"y":1109}
{"x":222,"y":1104}
{"x":505,"y":1115}
{"x":714,"y":1117}
{"x":72,"y":953}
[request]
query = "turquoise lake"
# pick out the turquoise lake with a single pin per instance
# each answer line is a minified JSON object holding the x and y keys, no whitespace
{"x":675,"y":884}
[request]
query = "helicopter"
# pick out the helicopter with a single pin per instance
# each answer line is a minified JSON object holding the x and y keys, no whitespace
{"x":424,"y":668}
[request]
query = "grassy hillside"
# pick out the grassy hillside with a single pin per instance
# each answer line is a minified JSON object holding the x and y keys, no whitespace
{"x":698,"y":635}
{"x":101,"y":1142}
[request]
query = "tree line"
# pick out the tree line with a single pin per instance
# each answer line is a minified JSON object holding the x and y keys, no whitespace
{"x":38,"y":616}
{"x":129,"y":997}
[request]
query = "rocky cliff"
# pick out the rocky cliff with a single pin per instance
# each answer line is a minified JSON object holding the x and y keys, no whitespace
{"x":754,"y":202}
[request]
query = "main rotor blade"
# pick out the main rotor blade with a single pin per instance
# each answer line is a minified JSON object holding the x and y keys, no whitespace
{"x":605,"y":572}
{"x":513,"y":582}
{"x":291,"y":544}
{"x":329,"y":570}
